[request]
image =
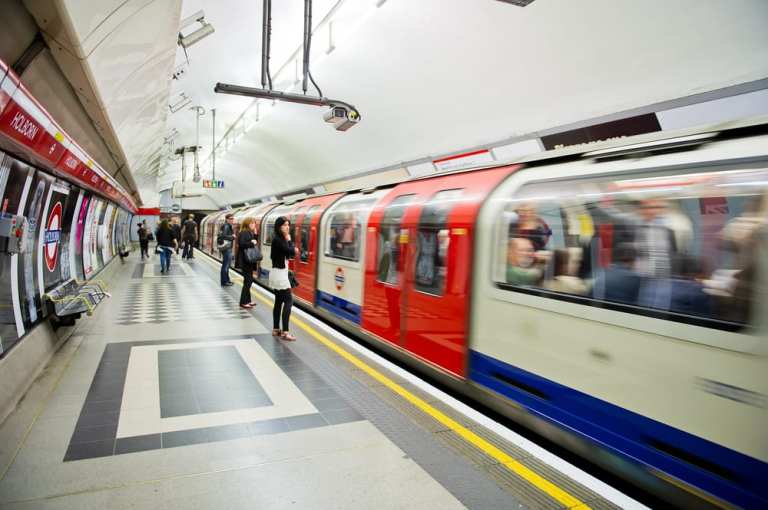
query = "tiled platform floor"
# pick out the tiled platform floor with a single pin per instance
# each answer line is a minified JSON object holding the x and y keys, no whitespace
{"x":170,"y":396}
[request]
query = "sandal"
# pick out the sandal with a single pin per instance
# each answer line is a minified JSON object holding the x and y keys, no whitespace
{"x":277,"y":332}
{"x":287,"y":336}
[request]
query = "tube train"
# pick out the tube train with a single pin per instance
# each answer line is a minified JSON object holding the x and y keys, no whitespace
{"x":613,"y":299}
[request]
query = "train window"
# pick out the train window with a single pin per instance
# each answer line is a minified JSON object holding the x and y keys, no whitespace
{"x":306,"y":225}
{"x":676,"y":247}
{"x":343,"y":234}
{"x":432,"y":242}
{"x":390,"y":234}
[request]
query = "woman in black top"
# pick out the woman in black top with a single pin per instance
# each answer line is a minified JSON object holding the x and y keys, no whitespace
{"x":166,"y":243}
{"x":246,"y":239}
{"x":282,"y":250}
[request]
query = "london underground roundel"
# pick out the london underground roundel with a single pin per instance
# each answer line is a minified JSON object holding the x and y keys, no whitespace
{"x":52,"y":235}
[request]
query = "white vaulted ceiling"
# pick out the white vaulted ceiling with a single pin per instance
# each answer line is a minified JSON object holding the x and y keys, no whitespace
{"x":429,"y":76}
{"x":434,"y":76}
{"x":118,"y":55}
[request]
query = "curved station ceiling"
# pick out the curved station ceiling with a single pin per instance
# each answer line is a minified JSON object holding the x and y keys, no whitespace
{"x":429,"y":77}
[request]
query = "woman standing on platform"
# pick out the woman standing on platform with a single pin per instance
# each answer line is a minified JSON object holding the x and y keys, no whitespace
{"x":165,"y":244}
{"x":247,"y":238}
{"x":282,"y":250}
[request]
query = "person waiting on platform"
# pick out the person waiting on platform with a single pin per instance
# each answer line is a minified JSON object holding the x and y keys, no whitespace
{"x":224,"y":243}
{"x":143,"y":240}
{"x":189,"y":237}
{"x":166,"y":242}
{"x":247,"y":238}
{"x":283,"y":249}
{"x":176,"y":227}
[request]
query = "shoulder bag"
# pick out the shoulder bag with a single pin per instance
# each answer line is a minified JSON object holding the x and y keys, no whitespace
{"x":253,"y":255}
{"x":292,"y":279}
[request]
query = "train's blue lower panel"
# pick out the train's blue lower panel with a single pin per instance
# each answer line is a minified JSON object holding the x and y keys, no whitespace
{"x":338,"y":306}
{"x":729,"y":475}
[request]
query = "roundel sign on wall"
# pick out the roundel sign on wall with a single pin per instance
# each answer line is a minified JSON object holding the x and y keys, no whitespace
{"x":52,"y":236}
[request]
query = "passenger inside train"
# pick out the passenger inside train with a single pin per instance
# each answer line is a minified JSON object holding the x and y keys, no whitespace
{"x":679,"y":244}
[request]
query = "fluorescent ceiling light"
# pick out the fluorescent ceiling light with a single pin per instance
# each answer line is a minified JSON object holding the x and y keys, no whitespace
{"x":196,"y":36}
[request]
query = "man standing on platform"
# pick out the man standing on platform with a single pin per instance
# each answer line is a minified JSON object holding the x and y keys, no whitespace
{"x":176,"y":228}
{"x":224,"y":244}
{"x":189,"y":237}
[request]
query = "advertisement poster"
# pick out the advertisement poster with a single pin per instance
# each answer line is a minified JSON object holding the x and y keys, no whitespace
{"x":106,"y":234}
{"x":82,"y":214}
{"x":31,"y":306}
{"x":14,"y":177}
{"x":88,"y":239}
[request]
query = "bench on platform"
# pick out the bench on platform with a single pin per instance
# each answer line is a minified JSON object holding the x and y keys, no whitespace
{"x":67,"y":302}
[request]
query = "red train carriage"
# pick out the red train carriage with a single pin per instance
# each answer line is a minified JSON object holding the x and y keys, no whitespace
{"x":418,"y":265}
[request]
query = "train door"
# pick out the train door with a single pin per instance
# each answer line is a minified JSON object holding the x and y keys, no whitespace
{"x":343,"y":247}
{"x":307,"y":238}
{"x":384,"y":301}
{"x":435,"y":316}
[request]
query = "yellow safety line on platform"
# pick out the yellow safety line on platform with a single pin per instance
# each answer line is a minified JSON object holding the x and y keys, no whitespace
{"x":481,"y":444}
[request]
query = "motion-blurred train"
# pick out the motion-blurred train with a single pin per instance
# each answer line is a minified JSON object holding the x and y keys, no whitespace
{"x":613,"y":298}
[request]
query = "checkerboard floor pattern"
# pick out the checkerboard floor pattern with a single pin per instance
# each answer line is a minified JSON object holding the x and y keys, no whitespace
{"x":162,"y":301}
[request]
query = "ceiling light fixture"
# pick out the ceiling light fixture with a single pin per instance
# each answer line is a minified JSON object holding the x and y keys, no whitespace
{"x":206,"y":29}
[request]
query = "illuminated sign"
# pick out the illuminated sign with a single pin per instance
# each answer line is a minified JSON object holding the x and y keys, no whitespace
{"x":207,"y":183}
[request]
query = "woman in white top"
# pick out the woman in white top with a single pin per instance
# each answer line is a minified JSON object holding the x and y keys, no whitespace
{"x":283,"y":249}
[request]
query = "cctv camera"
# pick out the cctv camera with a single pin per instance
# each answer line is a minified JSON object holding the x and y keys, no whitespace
{"x":341,"y":117}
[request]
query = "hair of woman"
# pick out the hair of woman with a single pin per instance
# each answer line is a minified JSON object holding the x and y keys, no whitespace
{"x":246,"y":222}
{"x":279,"y":222}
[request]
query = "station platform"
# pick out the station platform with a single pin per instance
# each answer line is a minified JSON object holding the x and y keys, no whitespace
{"x":170,"y":396}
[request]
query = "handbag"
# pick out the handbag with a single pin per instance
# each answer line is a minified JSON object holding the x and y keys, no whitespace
{"x":292,"y":280}
{"x":223,"y":244}
{"x":253,"y":255}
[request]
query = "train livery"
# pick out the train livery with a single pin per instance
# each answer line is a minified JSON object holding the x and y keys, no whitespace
{"x":613,"y":299}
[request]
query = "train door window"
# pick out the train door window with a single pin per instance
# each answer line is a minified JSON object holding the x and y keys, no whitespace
{"x":269,"y":223}
{"x":388,"y":263}
{"x":344,"y":232}
{"x":305,"y":229}
{"x":433,"y":241}
{"x":675,"y":247}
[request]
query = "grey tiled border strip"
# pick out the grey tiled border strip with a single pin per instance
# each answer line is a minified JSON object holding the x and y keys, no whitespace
{"x":95,"y":433}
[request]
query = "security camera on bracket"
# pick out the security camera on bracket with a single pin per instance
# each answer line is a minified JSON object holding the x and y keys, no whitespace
{"x":341,"y":115}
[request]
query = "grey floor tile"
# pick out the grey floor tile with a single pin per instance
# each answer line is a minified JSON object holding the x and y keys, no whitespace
{"x":226,"y":432}
{"x":330,"y":404}
{"x":110,"y":391}
{"x":341,"y":416}
{"x":90,"y":434}
{"x":175,"y":385}
{"x":304,"y":421}
{"x":102,"y":406}
{"x":267,"y":427}
{"x":91,"y":450}
{"x":182,"y":407}
{"x":185,"y":437}
{"x":320,"y":393}
{"x":96,"y":419}
{"x":137,"y":443}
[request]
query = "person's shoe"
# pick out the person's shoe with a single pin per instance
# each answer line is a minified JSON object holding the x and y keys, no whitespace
{"x":247,"y":307}
{"x":287,"y":336}
{"x":228,"y":284}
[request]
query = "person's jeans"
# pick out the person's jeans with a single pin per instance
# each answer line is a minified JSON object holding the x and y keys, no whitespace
{"x":226,"y":261}
{"x":165,"y":258}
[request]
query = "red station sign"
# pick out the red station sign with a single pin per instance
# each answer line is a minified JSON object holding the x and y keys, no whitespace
{"x":26,"y":123}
